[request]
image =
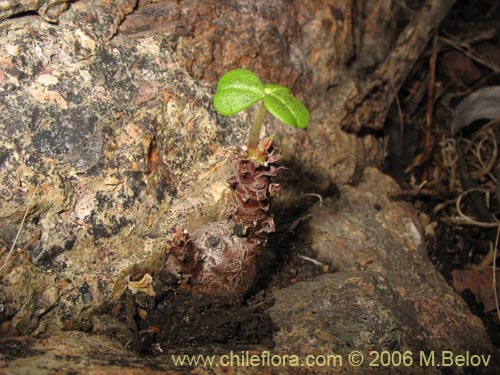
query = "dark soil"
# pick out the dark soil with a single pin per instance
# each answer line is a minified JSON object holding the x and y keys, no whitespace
{"x":182,"y":319}
{"x":13,"y":348}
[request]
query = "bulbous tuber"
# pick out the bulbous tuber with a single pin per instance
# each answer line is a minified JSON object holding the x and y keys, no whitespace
{"x":219,"y":258}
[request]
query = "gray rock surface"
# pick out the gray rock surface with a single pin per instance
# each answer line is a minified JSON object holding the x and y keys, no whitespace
{"x":386,"y":296}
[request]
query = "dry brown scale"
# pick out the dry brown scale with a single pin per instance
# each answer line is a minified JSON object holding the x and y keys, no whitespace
{"x":252,"y":191}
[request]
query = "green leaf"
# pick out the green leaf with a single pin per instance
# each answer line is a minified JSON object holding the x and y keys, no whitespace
{"x":237,"y":90}
{"x":270,"y":88}
{"x":285,"y":106}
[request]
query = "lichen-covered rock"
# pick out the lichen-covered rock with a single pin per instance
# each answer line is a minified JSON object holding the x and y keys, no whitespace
{"x":49,"y":10}
{"x":108,"y":147}
{"x":108,"y":118}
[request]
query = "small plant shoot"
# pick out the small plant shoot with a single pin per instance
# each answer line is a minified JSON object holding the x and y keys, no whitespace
{"x":239,"y":89}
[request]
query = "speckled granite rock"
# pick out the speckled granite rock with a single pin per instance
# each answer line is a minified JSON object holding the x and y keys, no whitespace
{"x":108,"y":117}
{"x":49,"y":10}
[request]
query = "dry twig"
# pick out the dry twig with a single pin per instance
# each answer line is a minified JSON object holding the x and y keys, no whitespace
{"x":19,"y":230}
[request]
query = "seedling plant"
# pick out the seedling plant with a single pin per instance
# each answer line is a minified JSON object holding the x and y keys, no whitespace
{"x":240,"y":89}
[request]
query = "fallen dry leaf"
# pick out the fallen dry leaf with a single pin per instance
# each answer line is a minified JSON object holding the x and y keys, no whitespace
{"x":480,"y":283}
{"x":460,"y":68}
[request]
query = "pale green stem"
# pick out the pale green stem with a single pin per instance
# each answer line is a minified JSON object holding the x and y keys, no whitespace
{"x":253,"y":138}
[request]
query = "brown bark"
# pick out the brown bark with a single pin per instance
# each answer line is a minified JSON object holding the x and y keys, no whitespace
{"x":369,"y":107}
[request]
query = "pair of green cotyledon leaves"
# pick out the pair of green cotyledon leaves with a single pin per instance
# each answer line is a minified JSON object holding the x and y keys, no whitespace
{"x":239,"y":89}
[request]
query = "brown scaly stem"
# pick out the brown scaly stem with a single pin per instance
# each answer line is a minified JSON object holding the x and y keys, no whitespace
{"x":252,"y":190}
